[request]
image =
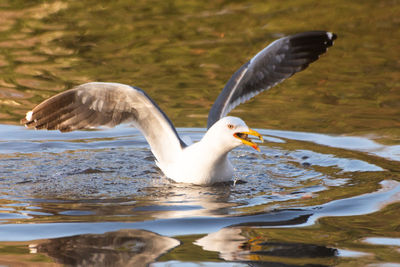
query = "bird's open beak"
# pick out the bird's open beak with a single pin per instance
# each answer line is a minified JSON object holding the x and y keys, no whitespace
{"x":244,"y":137}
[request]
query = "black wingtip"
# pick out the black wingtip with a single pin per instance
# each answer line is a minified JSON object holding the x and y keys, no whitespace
{"x":315,"y":43}
{"x":331,"y":37}
{"x":313,"y":36}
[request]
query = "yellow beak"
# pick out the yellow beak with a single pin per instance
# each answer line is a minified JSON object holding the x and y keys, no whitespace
{"x":243,"y":136}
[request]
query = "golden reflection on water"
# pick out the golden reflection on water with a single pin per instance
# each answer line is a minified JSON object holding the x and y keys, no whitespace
{"x":183,"y":53}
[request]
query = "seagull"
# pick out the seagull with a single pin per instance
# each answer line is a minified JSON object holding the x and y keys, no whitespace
{"x":205,"y":162}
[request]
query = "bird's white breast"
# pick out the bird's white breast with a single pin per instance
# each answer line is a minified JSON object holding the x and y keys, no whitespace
{"x":198,"y":164}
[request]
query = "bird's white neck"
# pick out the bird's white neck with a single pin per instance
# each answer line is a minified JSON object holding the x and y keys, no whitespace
{"x":215,"y":148}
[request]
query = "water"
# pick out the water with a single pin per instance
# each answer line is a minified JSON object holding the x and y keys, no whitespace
{"x":324,"y":189}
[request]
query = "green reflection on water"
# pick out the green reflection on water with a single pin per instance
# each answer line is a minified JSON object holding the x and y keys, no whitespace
{"x":183,"y":52}
{"x":17,"y":253}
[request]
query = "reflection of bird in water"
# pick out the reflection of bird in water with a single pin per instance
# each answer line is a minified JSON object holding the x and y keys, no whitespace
{"x":233,"y":244}
{"x":205,"y":162}
{"x":122,"y":248}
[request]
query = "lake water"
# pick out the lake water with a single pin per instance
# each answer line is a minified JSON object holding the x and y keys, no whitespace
{"x":323,"y":191}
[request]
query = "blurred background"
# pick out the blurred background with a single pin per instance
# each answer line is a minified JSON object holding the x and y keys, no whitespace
{"x":183,"y":52}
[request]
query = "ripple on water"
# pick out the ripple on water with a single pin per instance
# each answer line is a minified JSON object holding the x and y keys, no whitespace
{"x":102,"y":181}
{"x":111,"y":164}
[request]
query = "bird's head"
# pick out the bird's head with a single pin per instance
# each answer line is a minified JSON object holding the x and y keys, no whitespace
{"x":233,"y":132}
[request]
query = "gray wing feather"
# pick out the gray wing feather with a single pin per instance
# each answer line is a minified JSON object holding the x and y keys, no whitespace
{"x":108,"y":104}
{"x":275,"y":63}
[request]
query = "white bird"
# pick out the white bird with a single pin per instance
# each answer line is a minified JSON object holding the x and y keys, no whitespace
{"x":205,"y":162}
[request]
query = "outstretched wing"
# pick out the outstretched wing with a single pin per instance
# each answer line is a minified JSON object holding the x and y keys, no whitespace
{"x":94,"y":104}
{"x":275,"y":63}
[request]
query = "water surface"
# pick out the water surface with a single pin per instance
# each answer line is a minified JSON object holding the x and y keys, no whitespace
{"x":324,"y":189}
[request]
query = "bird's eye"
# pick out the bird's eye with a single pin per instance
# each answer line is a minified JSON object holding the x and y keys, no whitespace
{"x":231,"y":126}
